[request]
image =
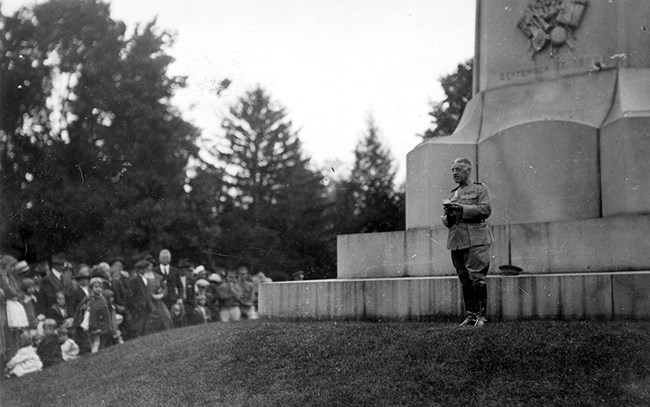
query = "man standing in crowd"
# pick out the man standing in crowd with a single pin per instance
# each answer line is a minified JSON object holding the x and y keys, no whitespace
{"x":171,"y":276}
{"x":80,"y":290}
{"x":79,"y":293}
{"x":139,"y":301}
{"x":187,"y":283}
{"x":469,"y":238}
{"x":53,"y":281}
{"x":120,"y":286}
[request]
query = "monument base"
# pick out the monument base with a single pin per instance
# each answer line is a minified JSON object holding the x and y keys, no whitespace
{"x":615,"y":243}
{"x":616,"y":295}
{"x":586,"y":268}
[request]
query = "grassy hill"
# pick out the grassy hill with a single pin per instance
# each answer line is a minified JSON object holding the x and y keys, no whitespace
{"x":265,"y":363}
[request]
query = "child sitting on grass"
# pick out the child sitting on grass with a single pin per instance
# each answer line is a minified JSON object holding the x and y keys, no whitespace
{"x":49,"y":349}
{"x":25,"y":360}
{"x":69,"y":348}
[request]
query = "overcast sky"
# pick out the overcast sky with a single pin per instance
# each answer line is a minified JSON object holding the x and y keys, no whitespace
{"x":331,"y":63}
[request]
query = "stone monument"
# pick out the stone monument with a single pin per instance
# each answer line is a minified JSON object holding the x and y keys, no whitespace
{"x":559,"y":122}
{"x":559,"y":129}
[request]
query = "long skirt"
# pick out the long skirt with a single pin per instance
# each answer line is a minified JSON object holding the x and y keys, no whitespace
{"x":160,"y":319}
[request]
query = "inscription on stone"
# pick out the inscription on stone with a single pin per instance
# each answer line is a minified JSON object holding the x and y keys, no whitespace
{"x":594,"y":63}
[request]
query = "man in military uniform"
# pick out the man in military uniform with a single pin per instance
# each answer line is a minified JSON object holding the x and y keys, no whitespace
{"x":469,"y":238}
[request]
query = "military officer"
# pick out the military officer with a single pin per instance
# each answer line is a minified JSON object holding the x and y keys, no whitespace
{"x":469,"y":238}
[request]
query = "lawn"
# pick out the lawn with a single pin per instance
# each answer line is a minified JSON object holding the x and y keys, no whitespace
{"x":288,"y":363}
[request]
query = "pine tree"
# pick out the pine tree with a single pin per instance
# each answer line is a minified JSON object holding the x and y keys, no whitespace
{"x":458,"y":91}
{"x":367,"y":201}
{"x":278,"y":221}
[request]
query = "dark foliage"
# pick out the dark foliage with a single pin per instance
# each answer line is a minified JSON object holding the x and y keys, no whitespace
{"x":278,"y":217}
{"x":458,"y":91}
{"x":367,"y":202}
{"x":93,"y":153}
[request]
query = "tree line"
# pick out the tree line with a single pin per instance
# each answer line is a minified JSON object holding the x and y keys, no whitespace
{"x":96,"y":161}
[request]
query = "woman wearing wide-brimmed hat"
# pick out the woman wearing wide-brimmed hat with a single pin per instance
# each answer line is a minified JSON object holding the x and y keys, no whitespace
{"x":11,"y":273}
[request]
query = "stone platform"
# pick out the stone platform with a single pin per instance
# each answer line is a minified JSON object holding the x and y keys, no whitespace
{"x":617,"y":295}
{"x":584,"y":268}
{"x":611,"y":244}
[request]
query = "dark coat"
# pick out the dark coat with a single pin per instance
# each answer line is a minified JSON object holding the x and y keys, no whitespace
{"x":76,"y":297}
{"x":100,"y":314}
{"x":120,"y":290}
{"x":50,"y":285}
{"x":138,"y":299}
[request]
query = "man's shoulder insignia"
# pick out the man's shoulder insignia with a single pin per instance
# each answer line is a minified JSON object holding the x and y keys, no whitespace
{"x":478,"y":183}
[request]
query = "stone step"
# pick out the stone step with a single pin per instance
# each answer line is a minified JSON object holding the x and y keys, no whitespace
{"x":615,"y":295}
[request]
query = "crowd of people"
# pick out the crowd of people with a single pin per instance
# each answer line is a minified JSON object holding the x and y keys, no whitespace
{"x":57,"y":311}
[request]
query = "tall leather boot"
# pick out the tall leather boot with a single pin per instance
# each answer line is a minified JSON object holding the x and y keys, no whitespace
{"x":469,"y":298}
{"x":480,"y":291}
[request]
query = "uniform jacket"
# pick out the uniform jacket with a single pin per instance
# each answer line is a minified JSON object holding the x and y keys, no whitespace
{"x":470,"y":230}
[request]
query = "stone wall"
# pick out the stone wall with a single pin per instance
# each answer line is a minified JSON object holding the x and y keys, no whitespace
{"x":621,"y":295}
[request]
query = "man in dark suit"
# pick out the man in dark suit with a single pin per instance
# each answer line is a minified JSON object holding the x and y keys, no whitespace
{"x":78,"y":294}
{"x":138,"y":300}
{"x":80,"y":289}
{"x":172,"y":278}
{"x":120,"y":287}
{"x":187,"y":295}
{"x":53,"y":280}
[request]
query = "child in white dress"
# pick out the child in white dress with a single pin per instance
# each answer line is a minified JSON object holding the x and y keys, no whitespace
{"x":25,"y":360}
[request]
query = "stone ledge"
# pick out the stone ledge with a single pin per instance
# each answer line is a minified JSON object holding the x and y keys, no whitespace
{"x":617,"y":295}
{"x":591,"y":245}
